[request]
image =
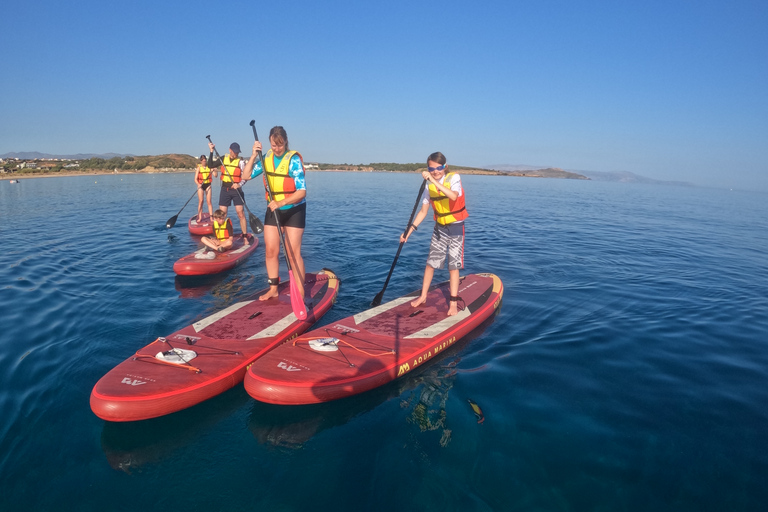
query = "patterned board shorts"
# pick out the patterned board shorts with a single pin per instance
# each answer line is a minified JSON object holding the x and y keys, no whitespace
{"x":447,"y":242}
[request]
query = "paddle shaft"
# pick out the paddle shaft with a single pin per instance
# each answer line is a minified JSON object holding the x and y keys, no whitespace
{"x":172,"y":221}
{"x":377,"y":299}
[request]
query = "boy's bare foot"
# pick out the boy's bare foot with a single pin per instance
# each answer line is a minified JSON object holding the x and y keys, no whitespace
{"x":271,"y":293}
{"x":453,"y":309}
{"x":245,"y":240}
{"x":418,"y":302}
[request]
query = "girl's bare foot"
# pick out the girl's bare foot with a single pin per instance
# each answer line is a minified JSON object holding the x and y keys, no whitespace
{"x":271,"y":293}
{"x":453,"y":309}
{"x":418,"y":302}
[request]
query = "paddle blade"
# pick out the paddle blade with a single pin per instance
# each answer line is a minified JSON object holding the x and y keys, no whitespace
{"x":256,"y":225}
{"x":171,"y":221}
{"x":297,"y":301}
{"x":377,"y":299}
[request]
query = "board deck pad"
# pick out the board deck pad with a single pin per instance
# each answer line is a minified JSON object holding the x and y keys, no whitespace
{"x":206,"y":262}
{"x":371,"y":348}
{"x":207,"y":357}
{"x":204,"y":227}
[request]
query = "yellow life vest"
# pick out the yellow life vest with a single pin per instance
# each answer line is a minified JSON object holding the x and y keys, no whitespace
{"x":280,"y":182}
{"x":204,"y":174}
{"x":223,"y":230}
{"x":447,"y":211}
{"x":230,"y":170}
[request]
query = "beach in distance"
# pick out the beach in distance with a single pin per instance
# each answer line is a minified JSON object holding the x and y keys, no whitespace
{"x":625,"y":370}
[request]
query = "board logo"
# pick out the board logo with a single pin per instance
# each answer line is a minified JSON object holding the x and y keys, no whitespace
{"x":132,"y":382}
{"x":404,"y":368}
{"x":288,"y":367}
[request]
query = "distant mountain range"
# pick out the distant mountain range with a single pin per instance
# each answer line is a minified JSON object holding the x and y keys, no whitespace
{"x":35,"y":155}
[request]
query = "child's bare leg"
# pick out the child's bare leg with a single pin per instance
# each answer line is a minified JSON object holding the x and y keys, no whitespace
{"x":200,"y":194}
{"x":453,"y":306}
{"x":429,"y":272}
{"x":209,"y":242}
{"x":210,"y":205}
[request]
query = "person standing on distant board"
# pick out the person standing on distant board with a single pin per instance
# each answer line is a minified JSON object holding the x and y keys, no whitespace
{"x":204,"y":178}
{"x":231,"y":182}
{"x":446,"y":195}
{"x":285,"y":172}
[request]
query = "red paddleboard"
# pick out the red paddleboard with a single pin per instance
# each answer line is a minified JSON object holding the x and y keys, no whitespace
{"x":208,"y":357}
{"x":204,"y":227}
{"x":205,"y":261}
{"x":371,"y":348}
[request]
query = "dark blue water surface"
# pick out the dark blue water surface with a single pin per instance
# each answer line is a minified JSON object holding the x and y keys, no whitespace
{"x":625,"y":371}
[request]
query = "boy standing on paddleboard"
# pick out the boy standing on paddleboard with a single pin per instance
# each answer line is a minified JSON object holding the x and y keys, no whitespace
{"x":446,"y":195}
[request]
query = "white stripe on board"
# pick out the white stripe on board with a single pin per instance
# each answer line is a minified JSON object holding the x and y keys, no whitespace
{"x":444,"y":324}
{"x":365,"y":315}
{"x":276,"y":328}
{"x":205,"y":322}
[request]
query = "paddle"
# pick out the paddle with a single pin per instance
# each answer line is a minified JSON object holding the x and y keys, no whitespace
{"x":297,"y":304}
{"x":377,"y":299}
{"x":172,"y":220}
{"x":256,"y":225}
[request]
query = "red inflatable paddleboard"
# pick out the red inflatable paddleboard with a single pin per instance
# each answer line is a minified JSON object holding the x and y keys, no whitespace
{"x":374,"y":347}
{"x":204,"y":227}
{"x":208,"y":357}
{"x":205,"y":261}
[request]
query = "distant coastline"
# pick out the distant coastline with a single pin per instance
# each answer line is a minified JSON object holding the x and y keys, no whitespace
{"x":41,"y":165}
{"x":541,"y":173}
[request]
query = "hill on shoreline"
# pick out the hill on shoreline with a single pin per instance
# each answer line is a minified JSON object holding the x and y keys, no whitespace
{"x":109,"y":162}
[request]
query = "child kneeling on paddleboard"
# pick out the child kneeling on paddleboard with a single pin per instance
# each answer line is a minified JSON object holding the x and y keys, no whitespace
{"x":223,"y":232}
{"x":445,"y":193}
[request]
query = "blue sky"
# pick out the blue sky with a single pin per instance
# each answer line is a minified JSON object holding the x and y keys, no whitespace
{"x":671,"y":90}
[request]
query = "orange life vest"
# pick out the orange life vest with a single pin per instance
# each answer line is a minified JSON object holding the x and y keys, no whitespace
{"x":447,"y":211}
{"x":230,"y":170}
{"x":204,"y":174}
{"x":280,"y":181}
{"x":223,"y":230}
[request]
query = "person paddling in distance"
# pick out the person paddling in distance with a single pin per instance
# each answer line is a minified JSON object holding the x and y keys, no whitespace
{"x":446,"y":195}
{"x":231,"y":167}
{"x":204,"y":178}
{"x":223,"y":233}
{"x":285,"y":172}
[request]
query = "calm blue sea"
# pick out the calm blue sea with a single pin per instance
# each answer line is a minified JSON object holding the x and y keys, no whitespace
{"x":627,"y":369}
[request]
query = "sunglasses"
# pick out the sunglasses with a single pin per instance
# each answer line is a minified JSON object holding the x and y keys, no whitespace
{"x":433,"y":169}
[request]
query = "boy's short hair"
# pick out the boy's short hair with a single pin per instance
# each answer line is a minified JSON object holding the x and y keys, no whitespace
{"x":437,"y":157}
{"x":219,"y":214}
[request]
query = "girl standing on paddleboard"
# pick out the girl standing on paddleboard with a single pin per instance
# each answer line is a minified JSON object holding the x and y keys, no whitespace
{"x":285,"y":172}
{"x":446,"y":195}
{"x":204,"y":177}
